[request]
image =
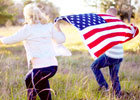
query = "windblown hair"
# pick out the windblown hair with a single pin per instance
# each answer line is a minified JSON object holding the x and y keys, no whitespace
{"x":33,"y":15}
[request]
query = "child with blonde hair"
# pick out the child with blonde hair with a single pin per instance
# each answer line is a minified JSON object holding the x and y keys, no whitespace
{"x":38,"y":37}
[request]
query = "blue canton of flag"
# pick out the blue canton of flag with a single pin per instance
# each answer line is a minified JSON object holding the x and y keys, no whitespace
{"x":82,"y":21}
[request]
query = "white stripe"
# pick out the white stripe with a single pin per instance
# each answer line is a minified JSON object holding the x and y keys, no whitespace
{"x":106,"y":42}
{"x":101,"y":26}
{"x":102,"y":33}
{"x":119,"y":46}
{"x":115,"y":50}
{"x":114,"y":56}
{"x":109,"y":17}
{"x":91,"y":53}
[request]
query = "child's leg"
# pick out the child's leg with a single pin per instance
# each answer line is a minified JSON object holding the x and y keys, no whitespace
{"x":97,"y":64}
{"x":114,"y":70}
{"x":43,"y":89}
{"x":41,"y":81}
{"x":31,"y":93}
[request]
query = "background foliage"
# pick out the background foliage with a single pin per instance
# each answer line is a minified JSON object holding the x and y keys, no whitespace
{"x":74,"y":79}
{"x":12,"y":13}
{"x":4,"y":15}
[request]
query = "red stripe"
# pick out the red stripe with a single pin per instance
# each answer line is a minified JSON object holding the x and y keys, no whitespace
{"x":94,"y":31}
{"x":108,"y":46}
{"x":104,"y":37}
{"x":113,"y":20}
{"x":105,"y":15}
{"x":137,"y":31}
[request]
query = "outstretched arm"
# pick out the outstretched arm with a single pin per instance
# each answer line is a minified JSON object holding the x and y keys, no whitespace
{"x":57,"y":26}
{"x":19,"y":36}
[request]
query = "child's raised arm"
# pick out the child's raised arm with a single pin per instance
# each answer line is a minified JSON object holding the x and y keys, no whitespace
{"x":57,"y":34}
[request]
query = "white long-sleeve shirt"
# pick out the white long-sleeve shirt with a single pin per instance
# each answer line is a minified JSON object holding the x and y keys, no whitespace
{"x":115,"y":52}
{"x":38,"y":40}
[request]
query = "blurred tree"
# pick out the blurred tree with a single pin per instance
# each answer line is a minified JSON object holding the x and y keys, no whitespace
{"x":124,"y":7}
{"x":4,"y":14}
{"x":101,"y":5}
{"x":139,"y":11}
{"x":17,"y":9}
{"x":94,"y":4}
{"x":106,"y":4}
{"x":137,"y":15}
{"x":27,"y":1}
{"x":14,"y":11}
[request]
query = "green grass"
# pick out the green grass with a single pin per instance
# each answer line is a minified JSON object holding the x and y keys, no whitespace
{"x":74,"y":80}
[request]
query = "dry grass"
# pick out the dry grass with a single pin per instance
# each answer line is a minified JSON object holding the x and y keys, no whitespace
{"x":74,"y":79}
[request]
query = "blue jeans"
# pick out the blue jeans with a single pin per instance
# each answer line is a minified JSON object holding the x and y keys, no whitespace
{"x":114,"y":65}
{"x":40,"y":84}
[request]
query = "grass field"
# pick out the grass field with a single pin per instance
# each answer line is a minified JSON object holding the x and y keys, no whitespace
{"x":74,"y":79}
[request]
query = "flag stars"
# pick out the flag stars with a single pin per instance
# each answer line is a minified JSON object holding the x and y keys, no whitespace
{"x":78,"y":18}
{"x":82,"y":21}
{"x":72,"y":21}
{"x":94,"y":20}
{"x":72,"y":18}
{"x":88,"y":15}
{"x":78,"y":26}
{"x":89,"y":24}
{"x":84,"y":26}
{"x":99,"y":22}
{"x":89,"y":18}
{"x":89,"y":21}
{"x":83,"y":17}
{"x":78,"y":21}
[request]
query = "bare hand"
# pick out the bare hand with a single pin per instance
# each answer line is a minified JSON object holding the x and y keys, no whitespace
{"x":57,"y":26}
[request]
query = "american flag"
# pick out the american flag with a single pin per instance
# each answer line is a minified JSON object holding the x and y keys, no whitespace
{"x":100,"y":32}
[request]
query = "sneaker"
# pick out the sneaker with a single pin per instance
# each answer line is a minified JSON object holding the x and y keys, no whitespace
{"x":119,"y":95}
{"x":103,"y":88}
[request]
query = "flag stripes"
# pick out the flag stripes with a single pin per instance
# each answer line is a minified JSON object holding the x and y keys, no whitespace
{"x":100,"y":39}
{"x":100,"y":32}
{"x":94,"y":31}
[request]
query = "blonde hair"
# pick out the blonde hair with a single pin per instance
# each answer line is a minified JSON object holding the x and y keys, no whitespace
{"x":33,"y":15}
{"x":112,"y":11}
